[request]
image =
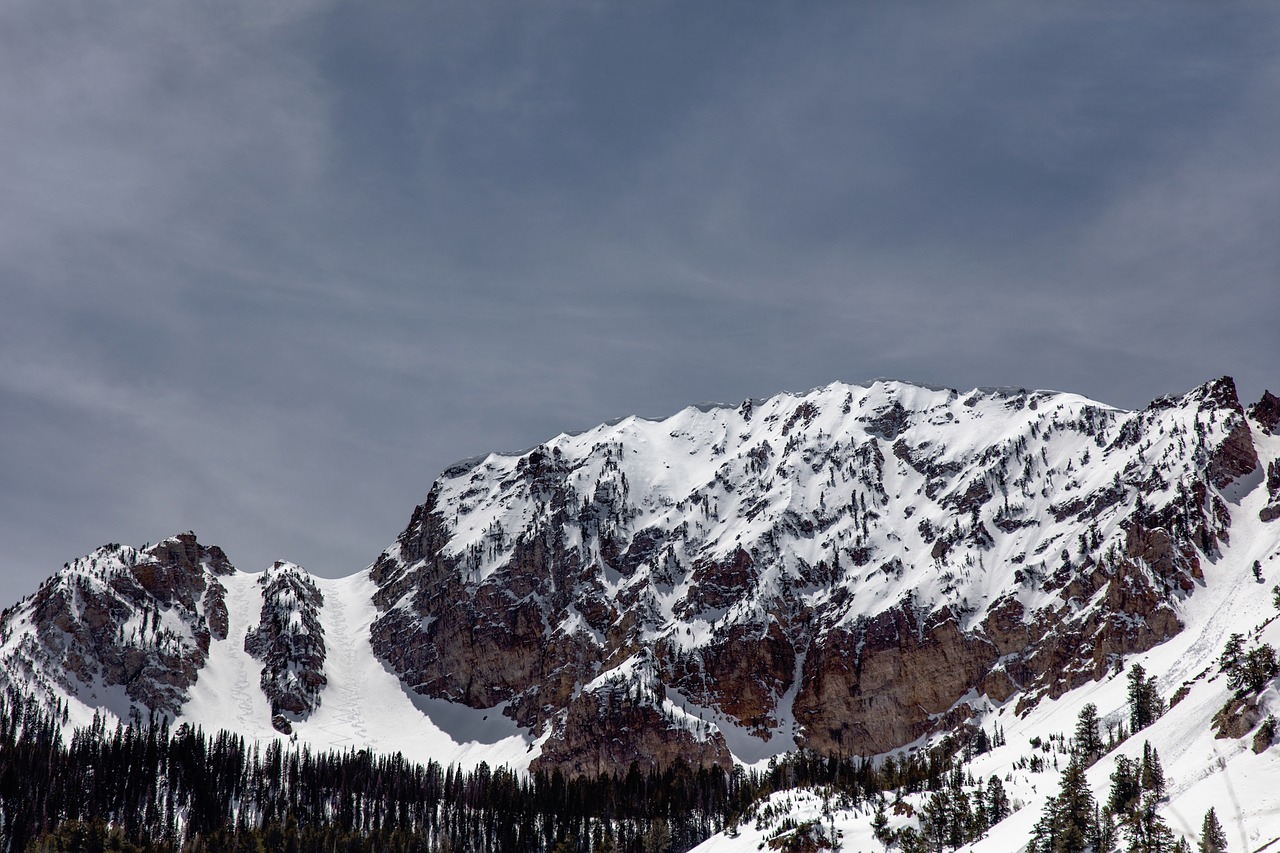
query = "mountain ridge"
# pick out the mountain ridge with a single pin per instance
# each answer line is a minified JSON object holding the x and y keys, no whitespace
{"x":853,"y":570}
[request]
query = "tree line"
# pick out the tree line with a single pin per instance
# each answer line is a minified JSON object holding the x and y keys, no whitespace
{"x":149,"y":788}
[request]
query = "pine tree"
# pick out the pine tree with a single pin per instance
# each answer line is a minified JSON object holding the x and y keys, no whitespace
{"x":1044,"y":835}
{"x":1144,"y":701}
{"x":1260,"y":666}
{"x":880,"y":826}
{"x":1088,"y":740}
{"x":997,"y":802}
{"x":1212,"y":838}
{"x":1147,"y":832}
{"x":1074,"y":816}
{"x":1152,"y":774}
{"x":1232,"y":652}
{"x":1125,"y":787}
{"x":1106,"y":830}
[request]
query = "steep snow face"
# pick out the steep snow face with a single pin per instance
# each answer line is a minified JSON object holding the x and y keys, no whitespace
{"x":848,"y":569}
{"x":361,"y":705}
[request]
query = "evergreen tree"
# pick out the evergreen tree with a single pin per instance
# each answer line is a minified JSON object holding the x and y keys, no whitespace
{"x":1146,"y":831}
{"x":880,"y":827}
{"x":911,"y":841}
{"x":1152,"y":774}
{"x":1125,"y":786}
{"x":1088,"y":740}
{"x":1106,"y":830}
{"x":1144,"y":701}
{"x":936,"y":821}
{"x":1212,"y":838}
{"x":1232,"y":653}
{"x":1260,"y":666}
{"x":1044,"y":835}
{"x":1074,"y":814}
{"x":658,"y":838}
{"x":997,"y":802}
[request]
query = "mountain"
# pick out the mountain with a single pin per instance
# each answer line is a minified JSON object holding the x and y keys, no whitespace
{"x":854,"y":571}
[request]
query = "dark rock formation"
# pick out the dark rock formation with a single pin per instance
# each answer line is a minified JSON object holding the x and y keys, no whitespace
{"x":1236,"y":718}
{"x":1271,"y":511}
{"x":1266,"y":413}
{"x":289,"y":642}
{"x":140,"y":620}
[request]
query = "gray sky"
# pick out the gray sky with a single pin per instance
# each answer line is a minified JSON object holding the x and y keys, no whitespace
{"x":267,"y":267}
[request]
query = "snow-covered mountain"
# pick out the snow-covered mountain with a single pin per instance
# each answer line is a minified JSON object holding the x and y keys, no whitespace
{"x":853,"y":570}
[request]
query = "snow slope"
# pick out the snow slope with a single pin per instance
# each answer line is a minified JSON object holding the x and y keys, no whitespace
{"x":363,"y":703}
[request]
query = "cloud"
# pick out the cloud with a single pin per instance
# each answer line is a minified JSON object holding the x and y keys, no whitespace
{"x":268,"y":268}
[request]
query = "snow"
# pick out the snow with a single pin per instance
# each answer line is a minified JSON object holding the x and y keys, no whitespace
{"x":364,"y":705}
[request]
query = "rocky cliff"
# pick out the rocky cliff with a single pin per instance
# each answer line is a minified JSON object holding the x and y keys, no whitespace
{"x":849,"y":569}
{"x":289,"y":643}
{"x":122,"y":628}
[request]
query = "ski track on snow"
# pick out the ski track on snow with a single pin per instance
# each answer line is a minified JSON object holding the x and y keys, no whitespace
{"x":349,"y":728}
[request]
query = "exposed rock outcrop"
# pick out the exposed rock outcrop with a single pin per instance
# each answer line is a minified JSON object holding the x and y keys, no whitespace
{"x":137,"y":621}
{"x":1266,"y":413}
{"x":1271,"y":511}
{"x":1237,"y":718}
{"x":289,"y":642}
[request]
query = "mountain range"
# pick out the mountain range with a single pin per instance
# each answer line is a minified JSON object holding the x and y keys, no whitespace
{"x":859,"y":570}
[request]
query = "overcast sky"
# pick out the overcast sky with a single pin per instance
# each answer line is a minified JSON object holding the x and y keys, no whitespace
{"x":266,"y":268}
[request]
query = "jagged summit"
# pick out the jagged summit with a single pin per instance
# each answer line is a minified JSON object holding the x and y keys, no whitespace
{"x":122,"y":628}
{"x":777,"y":567}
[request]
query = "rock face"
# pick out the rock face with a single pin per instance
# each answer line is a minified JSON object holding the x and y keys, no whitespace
{"x":845,"y":570}
{"x":289,"y":642}
{"x":1266,"y":412}
{"x":1271,"y":511}
{"x":121,"y":621}
{"x":1237,"y":718}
